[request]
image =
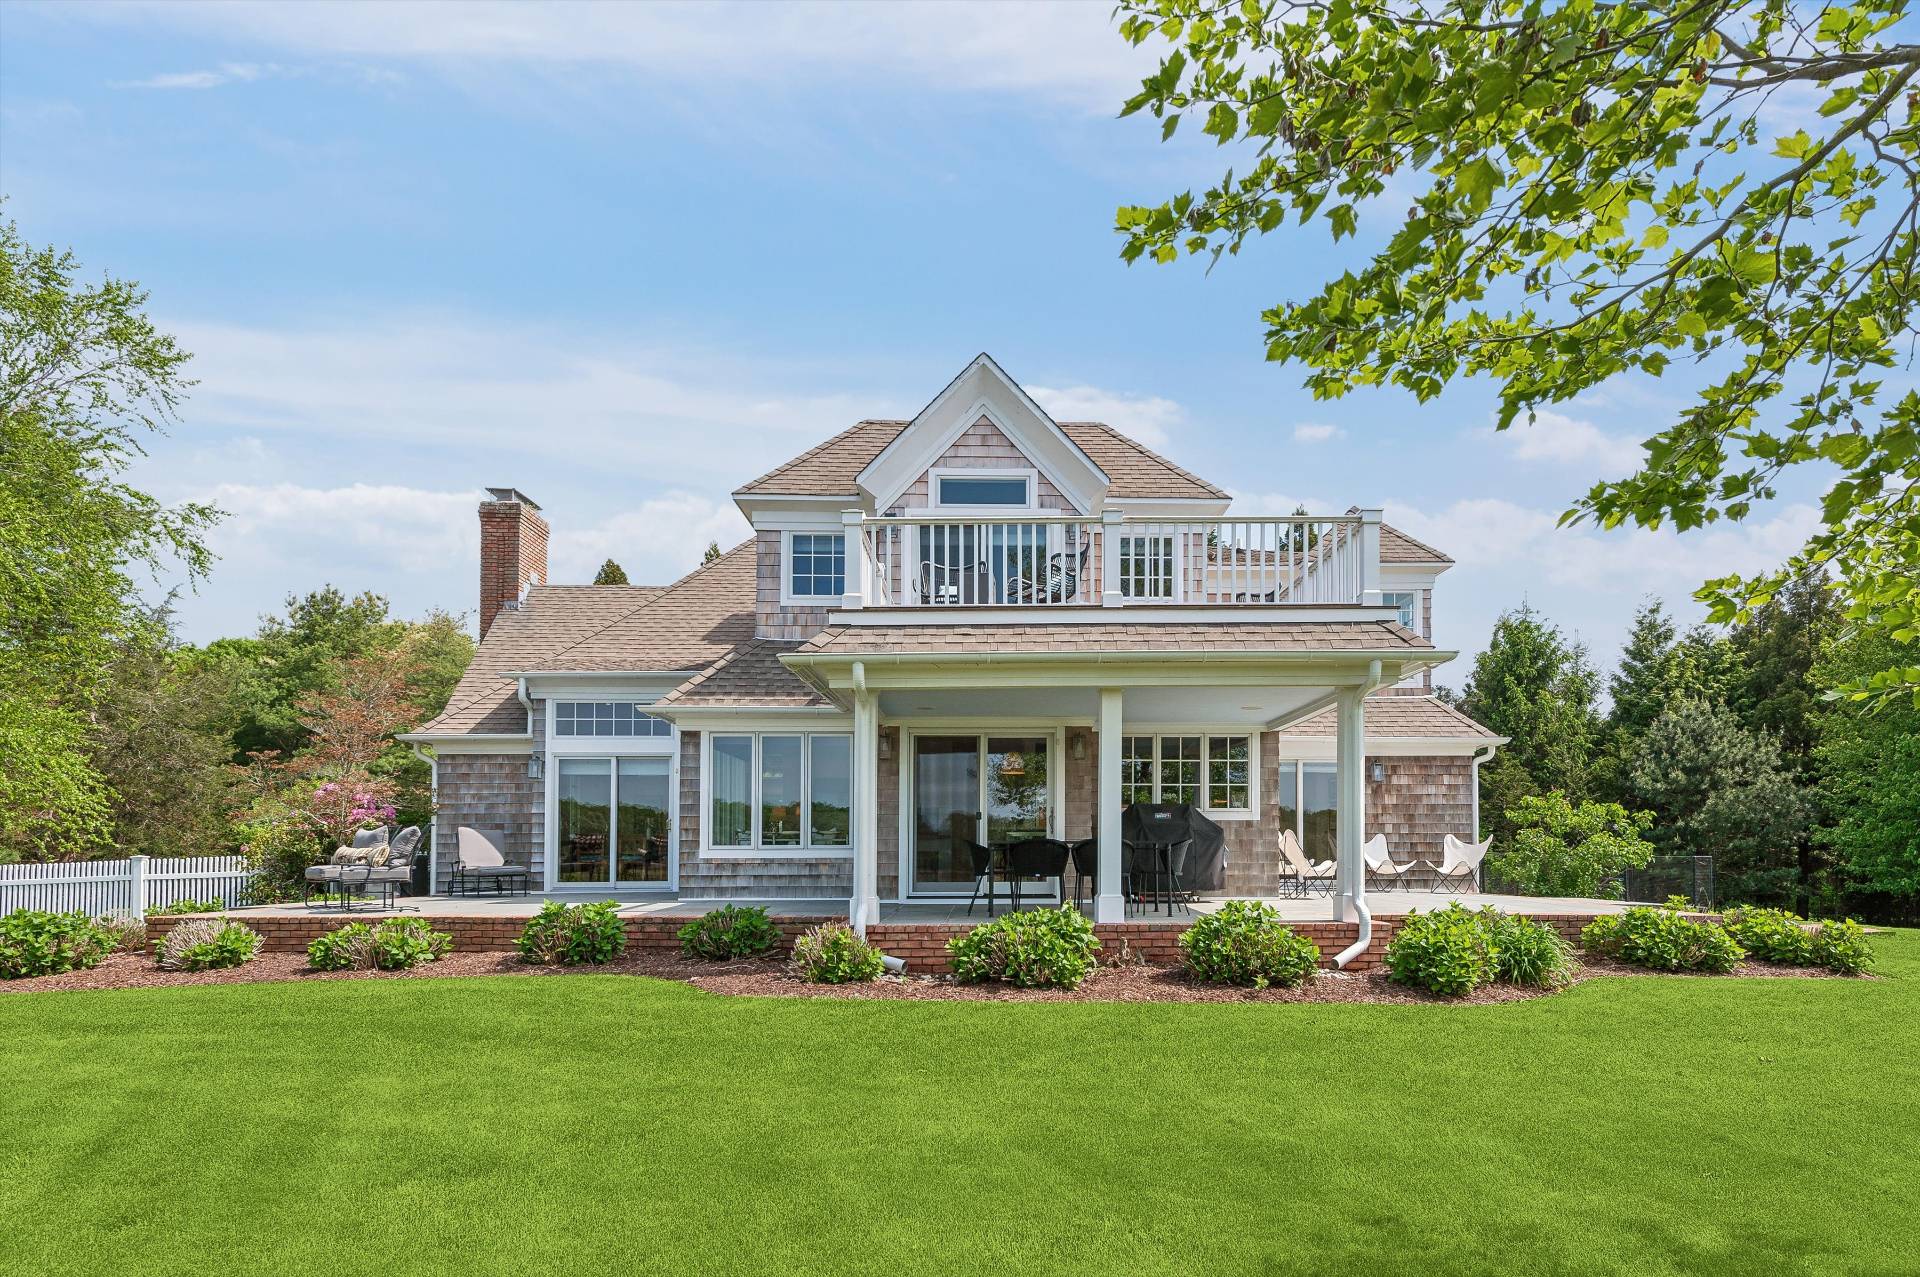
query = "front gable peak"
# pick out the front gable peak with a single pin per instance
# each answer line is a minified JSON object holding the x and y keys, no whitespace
{"x":984,"y":393}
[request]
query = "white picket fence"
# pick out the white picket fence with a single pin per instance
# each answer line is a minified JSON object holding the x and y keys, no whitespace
{"x":132,"y":885}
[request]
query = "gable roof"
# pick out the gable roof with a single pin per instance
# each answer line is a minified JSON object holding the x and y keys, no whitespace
{"x":832,"y":469}
{"x":485,"y":700}
{"x":1397,"y":547}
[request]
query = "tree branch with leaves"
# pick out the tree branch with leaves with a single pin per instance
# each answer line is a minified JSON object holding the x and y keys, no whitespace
{"x":1597,"y":190}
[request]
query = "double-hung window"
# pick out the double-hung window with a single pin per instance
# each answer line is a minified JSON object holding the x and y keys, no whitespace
{"x":816,"y":565}
{"x":1212,"y":772}
{"x":780,"y":791}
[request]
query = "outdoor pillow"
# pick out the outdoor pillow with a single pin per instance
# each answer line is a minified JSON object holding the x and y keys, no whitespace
{"x":371,"y":837}
{"x":352,"y":856}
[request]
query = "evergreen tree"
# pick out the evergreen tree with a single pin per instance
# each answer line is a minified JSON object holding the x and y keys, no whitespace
{"x":1717,"y":789}
{"x":1869,"y":783}
{"x":610,"y":573}
{"x":1534,"y":686}
{"x":713,"y":552}
{"x":1773,"y":687}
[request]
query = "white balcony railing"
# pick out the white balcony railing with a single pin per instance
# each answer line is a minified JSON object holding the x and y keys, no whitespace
{"x":1044,"y":560}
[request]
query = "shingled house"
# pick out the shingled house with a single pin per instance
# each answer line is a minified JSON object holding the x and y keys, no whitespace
{"x":977,"y":625}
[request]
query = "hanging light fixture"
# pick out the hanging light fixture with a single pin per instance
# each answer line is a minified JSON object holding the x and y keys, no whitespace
{"x":1013,"y":764}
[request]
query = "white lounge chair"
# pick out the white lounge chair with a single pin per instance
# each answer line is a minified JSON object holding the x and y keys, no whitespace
{"x":1382,"y":870}
{"x":1305,"y":876}
{"x":479,"y":862}
{"x":1460,"y":871}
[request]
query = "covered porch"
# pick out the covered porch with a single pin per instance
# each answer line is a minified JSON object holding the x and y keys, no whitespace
{"x":964,"y":737}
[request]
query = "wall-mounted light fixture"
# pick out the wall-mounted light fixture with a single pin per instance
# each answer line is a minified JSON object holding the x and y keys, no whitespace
{"x":533,"y":767}
{"x":886,"y":744}
{"x":1377,"y":770}
{"x":1079,"y":747}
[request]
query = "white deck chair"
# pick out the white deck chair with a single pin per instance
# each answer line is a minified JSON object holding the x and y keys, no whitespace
{"x":1460,"y":871}
{"x":1381,"y":868}
{"x":1305,"y":876}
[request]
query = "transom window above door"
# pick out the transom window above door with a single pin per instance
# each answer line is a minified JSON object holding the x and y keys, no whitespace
{"x":1012,"y":491}
{"x":606,"y":718}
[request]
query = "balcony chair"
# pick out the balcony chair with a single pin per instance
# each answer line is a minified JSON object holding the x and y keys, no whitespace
{"x":1036,"y":858}
{"x":1382,"y":871}
{"x":1065,"y":570}
{"x":1460,"y":871}
{"x":1305,"y":878}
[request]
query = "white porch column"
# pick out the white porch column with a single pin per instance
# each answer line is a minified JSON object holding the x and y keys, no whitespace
{"x":859,"y":574}
{"x":1109,"y":905}
{"x":1351,"y":803}
{"x":864,"y":907}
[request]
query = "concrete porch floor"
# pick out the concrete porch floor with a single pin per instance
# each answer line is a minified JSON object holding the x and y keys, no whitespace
{"x":657,"y":904}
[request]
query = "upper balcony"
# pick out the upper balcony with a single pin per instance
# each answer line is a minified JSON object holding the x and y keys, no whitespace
{"x":1019,"y":562}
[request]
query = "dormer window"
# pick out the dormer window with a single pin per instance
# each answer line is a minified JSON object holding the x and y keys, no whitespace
{"x":984,"y":489}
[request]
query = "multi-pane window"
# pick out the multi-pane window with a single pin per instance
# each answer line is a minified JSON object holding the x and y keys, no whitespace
{"x":1408,"y":601}
{"x":784,"y":790}
{"x":1146,"y":567}
{"x":1306,"y":800}
{"x":1228,"y":778}
{"x":1211,"y":772}
{"x":817,"y":565}
{"x":606,"y":718}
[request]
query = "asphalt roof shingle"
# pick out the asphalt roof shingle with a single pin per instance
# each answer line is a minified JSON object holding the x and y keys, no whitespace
{"x":1390,"y":716}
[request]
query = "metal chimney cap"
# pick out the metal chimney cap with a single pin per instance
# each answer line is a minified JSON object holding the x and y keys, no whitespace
{"x":512,"y":494}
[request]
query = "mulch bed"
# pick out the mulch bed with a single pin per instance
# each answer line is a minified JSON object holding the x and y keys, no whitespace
{"x":767,"y":977}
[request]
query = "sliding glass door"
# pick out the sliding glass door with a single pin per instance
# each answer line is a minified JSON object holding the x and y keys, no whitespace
{"x":969,"y":789}
{"x":613,"y":825}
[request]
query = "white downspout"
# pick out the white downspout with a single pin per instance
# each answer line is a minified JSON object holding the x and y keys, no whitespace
{"x":433,"y":819}
{"x":1480,"y":755}
{"x":1363,"y":915}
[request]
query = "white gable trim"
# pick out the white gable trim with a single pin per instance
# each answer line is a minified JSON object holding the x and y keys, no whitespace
{"x":987,"y":390}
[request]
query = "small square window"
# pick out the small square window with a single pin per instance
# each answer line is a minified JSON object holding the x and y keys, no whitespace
{"x":817,"y":565}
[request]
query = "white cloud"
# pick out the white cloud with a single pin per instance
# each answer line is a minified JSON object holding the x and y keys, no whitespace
{"x":1149,"y":419}
{"x":227,"y":73}
{"x":1557,"y":439}
{"x":509,"y":392}
{"x":1069,"y":51}
{"x":656,"y":542}
{"x":1316,"y":432}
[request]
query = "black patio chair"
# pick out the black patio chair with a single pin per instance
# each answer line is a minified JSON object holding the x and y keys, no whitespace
{"x":1036,"y":858}
{"x":984,"y":871}
{"x":1086,"y":868}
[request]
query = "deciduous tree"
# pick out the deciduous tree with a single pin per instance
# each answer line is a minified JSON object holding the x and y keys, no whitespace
{"x":1725,"y":189}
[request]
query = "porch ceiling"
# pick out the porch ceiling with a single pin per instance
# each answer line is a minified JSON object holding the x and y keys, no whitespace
{"x":1147,"y":706}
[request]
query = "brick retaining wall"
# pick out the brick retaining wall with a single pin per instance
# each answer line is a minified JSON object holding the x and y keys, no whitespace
{"x":922,"y":944}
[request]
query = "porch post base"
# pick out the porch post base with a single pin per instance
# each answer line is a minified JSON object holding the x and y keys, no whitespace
{"x":1343,"y":910}
{"x":1109,"y":908}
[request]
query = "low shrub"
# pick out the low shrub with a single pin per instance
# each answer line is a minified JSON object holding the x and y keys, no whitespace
{"x":186,"y":906}
{"x":1527,"y":952}
{"x":731,"y":931}
{"x":208,"y":944}
{"x":1033,"y":949}
{"x":34,"y":942}
{"x":1771,"y":935}
{"x":1244,"y":943}
{"x":395,"y":944}
{"x":129,"y":931}
{"x":1450,"y":951}
{"x":1662,"y":940}
{"x":573,"y":934}
{"x":833,"y":954}
{"x":1841,"y":947}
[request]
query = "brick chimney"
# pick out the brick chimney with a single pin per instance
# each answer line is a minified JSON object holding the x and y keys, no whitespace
{"x":513,"y":551}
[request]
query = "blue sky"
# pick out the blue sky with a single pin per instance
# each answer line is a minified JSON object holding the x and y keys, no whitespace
{"x":628,"y":257}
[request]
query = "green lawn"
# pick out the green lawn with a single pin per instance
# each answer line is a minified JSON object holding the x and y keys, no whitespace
{"x":608,"y":1124}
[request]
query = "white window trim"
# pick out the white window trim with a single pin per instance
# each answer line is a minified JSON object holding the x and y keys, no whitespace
{"x":613,"y":749}
{"x":1299,"y":803}
{"x":625,"y":742}
{"x":1159,"y":732}
{"x":1413,"y":594}
{"x":1056,"y":732}
{"x":754,"y":850}
{"x":937,"y":473}
{"x":787,"y":597}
